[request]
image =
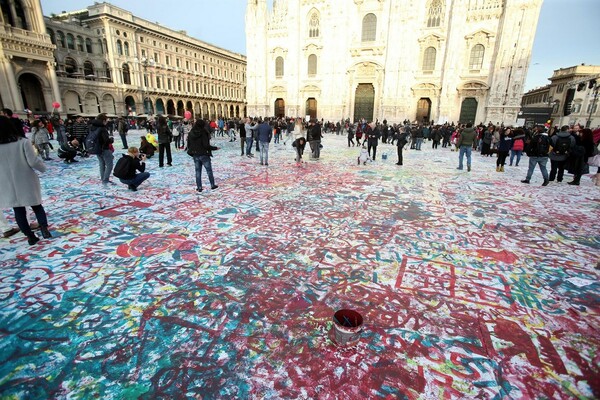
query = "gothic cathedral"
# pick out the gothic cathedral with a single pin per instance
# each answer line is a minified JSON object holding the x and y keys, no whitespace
{"x":423,"y":60}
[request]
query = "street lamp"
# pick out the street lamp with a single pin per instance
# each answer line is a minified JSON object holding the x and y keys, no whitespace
{"x":146,"y":62}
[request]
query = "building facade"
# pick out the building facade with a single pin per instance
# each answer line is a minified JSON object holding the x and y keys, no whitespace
{"x":105,"y":59}
{"x":27,"y":76}
{"x":440,"y":60}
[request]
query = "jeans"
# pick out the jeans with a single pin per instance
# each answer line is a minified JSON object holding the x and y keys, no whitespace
{"x":464,"y":150}
{"x":264,"y":152}
{"x":419,"y":143}
{"x":249,"y":145}
{"x":137,"y":179}
{"x":533,"y":161}
{"x":124,"y":140}
{"x":21,"y":218}
{"x":200,"y":161}
{"x":514,"y":153}
{"x":105,"y":162}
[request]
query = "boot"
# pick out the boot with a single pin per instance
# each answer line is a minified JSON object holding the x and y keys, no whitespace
{"x":502,"y":168}
{"x":32,"y":239}
{"x":497,"y":168}
{"x":45,"y":232}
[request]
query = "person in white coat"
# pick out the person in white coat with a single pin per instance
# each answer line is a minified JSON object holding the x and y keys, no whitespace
{"x":19,"y":182}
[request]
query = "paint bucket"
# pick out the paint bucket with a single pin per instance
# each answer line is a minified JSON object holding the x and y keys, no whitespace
{"x":347,"y":326}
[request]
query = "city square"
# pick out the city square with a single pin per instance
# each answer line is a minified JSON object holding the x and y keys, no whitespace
{"x":470,"y":284}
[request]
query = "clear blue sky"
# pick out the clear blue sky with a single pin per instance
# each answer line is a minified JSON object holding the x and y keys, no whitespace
{"x":568,"y":30}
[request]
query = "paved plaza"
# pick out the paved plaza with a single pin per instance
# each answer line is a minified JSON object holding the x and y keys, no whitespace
{"x":470,"y":284}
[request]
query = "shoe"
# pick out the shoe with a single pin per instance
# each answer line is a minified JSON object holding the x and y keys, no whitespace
{"x":198,"y":190}
{"x":398,"y":163}
{"x":133,"y":188}
{"x":497,"y":168}
{"x":45,"y":232}
{"x":459,"y":168}
{"x":517,"y":164}
{"x":32,"y":239}
{"x":169,"y":165}
{"x":574,"y":183}
{"x":468,"y":168}
{"x":267,"y":164}
{"x":502,"y":168}
{"x":525,"y":181}
{"x":34,"y":225}
{"x":213,"y":187}
{"x":11,"y":232}
{"x":160,"y":166}
{"x":261,"y":164}
{"x":73,"y":160}
{"x":546,"y":182}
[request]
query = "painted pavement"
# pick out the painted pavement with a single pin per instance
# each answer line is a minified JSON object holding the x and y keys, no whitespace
{"x":471,"y":285}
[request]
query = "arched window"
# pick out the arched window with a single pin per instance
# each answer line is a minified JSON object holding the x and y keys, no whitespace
{"x":312,"y":65}
{"x":279,"y":67}
{"x":88,"y":46}
{"x":476,"y":59}
{"x":127,"y":49}
{"x":429,"y":59}
{"x":50,"y":33}
{"x":434,"y":14}
{"x":107,"y":72}
{"x":100,"y":46}
{"x":313,"y":26}
{"x":70,"y":42}
{"x":60,"y":38}
{"x":70,"y":66}
{"x":79,"y":43}
{"x":119,"y":48}
{"x":369,"y":28}
{"x":88,"y":68}
{"x":126,"y":75}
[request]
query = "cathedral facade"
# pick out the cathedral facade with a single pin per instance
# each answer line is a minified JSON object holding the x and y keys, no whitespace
{"x":423,"y":60}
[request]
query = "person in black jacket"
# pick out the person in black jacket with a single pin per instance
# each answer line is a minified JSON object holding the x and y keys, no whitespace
{"x":105,"y":157}
{"x":135,"y":162}
{"x":165,"y":136}
{"x":200,"y":149}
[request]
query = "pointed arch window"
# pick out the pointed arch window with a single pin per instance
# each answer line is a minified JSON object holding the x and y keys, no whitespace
{"x":279,"y":67}
{"x":369,"y":28}
{"x":126,"y":75}
{"x":312,"y":65}
{"x":429,"y":59}
{"x":119,"y":48}
{"x":476,"y":59}
{"x":70,"y":42}
{"x":434,"y":14}
{"x":313,"y":26}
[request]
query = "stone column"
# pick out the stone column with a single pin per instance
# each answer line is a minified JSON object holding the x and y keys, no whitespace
{"x":10,"y":88}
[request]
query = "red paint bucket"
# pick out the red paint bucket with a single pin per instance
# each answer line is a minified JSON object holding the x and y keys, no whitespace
{"x":347,"y":326}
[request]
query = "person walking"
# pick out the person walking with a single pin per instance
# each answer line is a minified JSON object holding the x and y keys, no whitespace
{"x":200,"y":149}
{"x":165,"y":136}
{"x":537,"y":150}
{"x":18,"y":180}
{"x":465,"y":143}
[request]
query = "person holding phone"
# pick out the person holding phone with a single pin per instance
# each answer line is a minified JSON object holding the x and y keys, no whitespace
{"x":127,"y":167}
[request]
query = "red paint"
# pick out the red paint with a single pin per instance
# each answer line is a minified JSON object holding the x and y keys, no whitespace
{"x":512,"y":332}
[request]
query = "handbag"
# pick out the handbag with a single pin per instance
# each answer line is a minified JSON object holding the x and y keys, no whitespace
{"x":594,"y":161}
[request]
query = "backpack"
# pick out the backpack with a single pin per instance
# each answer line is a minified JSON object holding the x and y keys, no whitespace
{"x":122,"y":168}
{"x":92,"y":141}
{"x":562,"y":145}
{"x":539,"y":147}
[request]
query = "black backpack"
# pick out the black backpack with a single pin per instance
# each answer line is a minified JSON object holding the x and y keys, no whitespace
{"x":540,"y":146}
{"x":122,"y":168}
{"x":562,"y":145}
{"x":92,"y":141}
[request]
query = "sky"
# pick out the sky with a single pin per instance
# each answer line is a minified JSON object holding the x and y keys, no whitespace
{"x":568,"y":31}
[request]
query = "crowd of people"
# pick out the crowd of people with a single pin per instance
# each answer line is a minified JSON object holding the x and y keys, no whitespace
{"x":23,"y":145}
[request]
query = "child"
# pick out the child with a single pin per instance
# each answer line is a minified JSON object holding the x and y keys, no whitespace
{"x":299,"y":145}
{"x":364,"y":156}
{"x":41,"y":139}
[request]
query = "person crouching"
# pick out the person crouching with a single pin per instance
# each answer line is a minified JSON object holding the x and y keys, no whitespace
{"x":68,"y":151}
{"x":127,"y":166}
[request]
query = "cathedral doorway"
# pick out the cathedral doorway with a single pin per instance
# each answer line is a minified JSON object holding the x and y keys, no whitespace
{"x":31,"y":93}
{"x":130,"y":105}
{"x":468,"y":110}
{"x":424,"y":110}
{"x":279,"y":108}
{"x":311,"y":107}
{"x":364,"y":101}
{"x":170,"y":107}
